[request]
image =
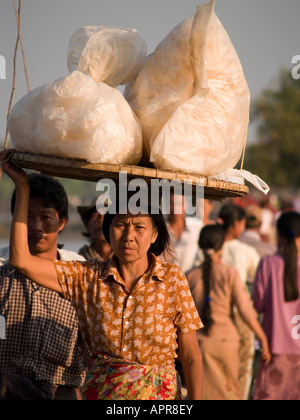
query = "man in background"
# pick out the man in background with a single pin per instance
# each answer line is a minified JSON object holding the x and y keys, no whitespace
{"x":42,"y":355}
{"x":98,"y":248}
{"x":251,"y":235}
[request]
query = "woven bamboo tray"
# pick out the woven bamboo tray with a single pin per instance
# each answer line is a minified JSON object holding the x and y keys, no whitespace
{"x":82,"y":170}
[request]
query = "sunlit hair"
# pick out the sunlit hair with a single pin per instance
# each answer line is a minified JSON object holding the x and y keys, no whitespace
{"x":230,"y":214}
{"x":211,"y":241}
{"x":50,"y":191}
{"x":288,"y":227}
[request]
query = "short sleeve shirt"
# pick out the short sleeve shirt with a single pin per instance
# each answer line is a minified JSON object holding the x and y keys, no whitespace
{"x":140,"y":326}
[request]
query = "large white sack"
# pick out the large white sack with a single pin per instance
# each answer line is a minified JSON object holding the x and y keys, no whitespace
{"x":110,"y":55}
{"x":192,"y":98}
{"x":207,"y":133}
{"x":165,"y":82}
{"x":76,"y":117}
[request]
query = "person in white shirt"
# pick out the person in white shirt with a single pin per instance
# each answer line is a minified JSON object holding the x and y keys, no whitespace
{"x":184,"y":233}
{"x":63,"y":255}
{"x":252,"y":236}
{"x":245,"y":259}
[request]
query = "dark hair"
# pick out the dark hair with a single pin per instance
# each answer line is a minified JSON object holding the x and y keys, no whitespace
{"x":288,"y":227}
{"x":162,"y":243}
{"x":50,"y":191}
{"x":211,"y":240}
{"x":229,"y":214}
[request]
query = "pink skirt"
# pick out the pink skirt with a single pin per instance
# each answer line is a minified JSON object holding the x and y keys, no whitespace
{"x":279,"y":380}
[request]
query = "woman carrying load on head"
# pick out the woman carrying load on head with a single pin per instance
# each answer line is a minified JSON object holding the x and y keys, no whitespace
{"x":134,"y":311}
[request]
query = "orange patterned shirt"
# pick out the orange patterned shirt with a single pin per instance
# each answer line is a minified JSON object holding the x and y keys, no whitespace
{"x":140,"y":326}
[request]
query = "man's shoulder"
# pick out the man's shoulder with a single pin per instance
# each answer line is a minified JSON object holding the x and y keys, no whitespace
{"x":66,"y":255}
{"x":4,"y":255}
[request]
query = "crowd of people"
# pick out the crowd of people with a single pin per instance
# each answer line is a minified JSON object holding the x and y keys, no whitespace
{"x":153,"y":307}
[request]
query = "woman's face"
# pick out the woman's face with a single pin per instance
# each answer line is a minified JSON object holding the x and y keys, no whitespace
{"x":131,"y":237}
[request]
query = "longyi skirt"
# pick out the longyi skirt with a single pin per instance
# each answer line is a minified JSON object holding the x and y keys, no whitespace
{"x":111,"y":378}
{"x":279,"y":380}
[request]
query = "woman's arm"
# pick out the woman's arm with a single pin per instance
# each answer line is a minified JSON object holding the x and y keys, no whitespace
{"x":39,"y":270}
{"x":245,"y":306}
{"x":191,"y":361}
{"x":260,"y":334}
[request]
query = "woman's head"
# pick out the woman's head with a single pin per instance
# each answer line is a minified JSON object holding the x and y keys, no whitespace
{"x":211,"y":239}
{"x":132,"y":236}
{"x":288,"y":228}
{"x":233,"y":220}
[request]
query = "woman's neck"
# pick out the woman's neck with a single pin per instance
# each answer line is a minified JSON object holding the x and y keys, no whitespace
{"x":131,"y":272}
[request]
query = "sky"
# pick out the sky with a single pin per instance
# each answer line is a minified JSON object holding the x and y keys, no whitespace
{"x":265,"y":33}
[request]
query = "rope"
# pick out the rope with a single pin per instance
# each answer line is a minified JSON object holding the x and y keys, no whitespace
{"x":15,"y":71}
{"x":244,"y":150}
{"x":22,"y":49}
{"x":19,"y":40}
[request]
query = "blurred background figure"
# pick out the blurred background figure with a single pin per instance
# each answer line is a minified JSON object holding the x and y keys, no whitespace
{"x":208,"y":209}
{"x":267,"y":229}
{"x":277,"y":296}
{"x":184,"y":233}
{"x":216,"y":288}
{"x":245,"y":259}
{"x":4,"y":255}
{"x":251,"y":235}
{"x":98,"y":248}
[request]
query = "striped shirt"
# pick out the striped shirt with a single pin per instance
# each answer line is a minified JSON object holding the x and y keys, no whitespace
{"x":42,"y":339}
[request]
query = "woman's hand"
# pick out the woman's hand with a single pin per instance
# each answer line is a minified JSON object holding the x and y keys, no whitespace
{"x":265,"y":352}
{"x":191,"y":361}
{"x":17,"y":175}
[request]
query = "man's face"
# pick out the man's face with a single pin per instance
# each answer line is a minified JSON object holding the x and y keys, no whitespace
{"x":44,"y":227}
{"x":95,"y":227}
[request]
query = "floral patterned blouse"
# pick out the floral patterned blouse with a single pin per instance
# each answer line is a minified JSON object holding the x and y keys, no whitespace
{"x":141,"y":326}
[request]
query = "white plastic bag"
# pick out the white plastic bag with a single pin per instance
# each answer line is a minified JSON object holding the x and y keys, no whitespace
{"x":76,"y":117}
{"x":110,"y":55}
{"x":207,"y":133}
{"x":199,"y":119}
{"x":165,"y":82}
{"x":239,"y":176}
